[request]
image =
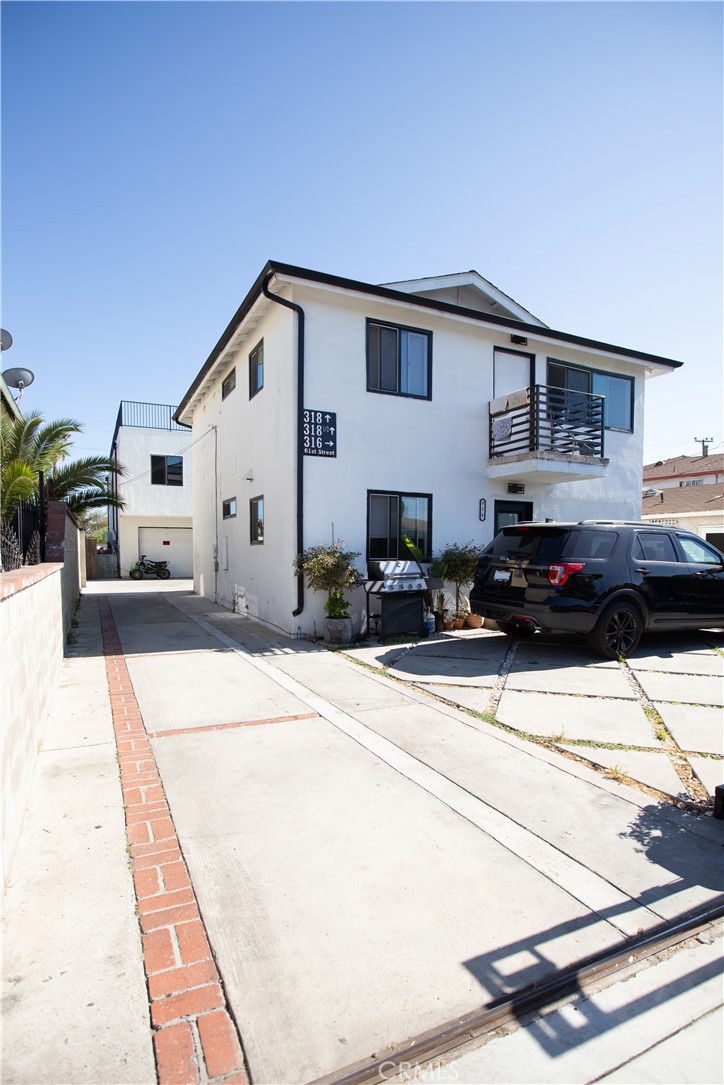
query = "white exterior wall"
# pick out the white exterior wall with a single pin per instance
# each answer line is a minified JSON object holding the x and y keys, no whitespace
{"x":150,"y":505}
{"x":254,"y":436}
{"x":384,"y":442}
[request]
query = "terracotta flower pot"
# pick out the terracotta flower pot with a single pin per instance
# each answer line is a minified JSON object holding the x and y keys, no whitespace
{"x":474,"y":621}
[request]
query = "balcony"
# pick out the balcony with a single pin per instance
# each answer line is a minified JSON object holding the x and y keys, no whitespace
{"x":546,"y":435}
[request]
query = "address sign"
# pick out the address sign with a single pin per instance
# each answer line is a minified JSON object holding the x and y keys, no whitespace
{"x":319,"y":433}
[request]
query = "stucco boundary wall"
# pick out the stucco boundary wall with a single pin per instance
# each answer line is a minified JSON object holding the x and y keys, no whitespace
{"x":37,"y":604}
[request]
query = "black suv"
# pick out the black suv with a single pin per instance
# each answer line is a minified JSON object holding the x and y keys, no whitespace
{"x":609,"y":580}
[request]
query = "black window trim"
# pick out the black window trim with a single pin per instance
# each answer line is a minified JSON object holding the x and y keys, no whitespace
{"x":601,"y":373}
{"x":252,"y":540}
{"x":399,"y":494}
{"x":404,"y":328}
{"x":253,"y":390}
{"x":166,"y":457}
{"x":228,"y":515}
{"x":226,"y":389}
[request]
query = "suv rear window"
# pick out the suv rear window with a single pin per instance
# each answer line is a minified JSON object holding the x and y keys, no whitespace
{"x":545,"y":544}
{"x":593,"y":544}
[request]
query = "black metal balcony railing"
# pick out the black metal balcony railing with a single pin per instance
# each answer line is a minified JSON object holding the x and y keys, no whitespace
{"x":147,"y":415}
{"x":543,"y":419}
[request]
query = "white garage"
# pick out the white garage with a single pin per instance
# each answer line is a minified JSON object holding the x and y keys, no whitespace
{"x":171,"y":544}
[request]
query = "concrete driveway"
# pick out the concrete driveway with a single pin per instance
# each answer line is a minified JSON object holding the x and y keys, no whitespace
{"x":376,"y":841}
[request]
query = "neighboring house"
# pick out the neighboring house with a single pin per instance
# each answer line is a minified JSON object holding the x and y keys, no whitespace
{"x":155,"y":452}
{"x":687,"y":492}
{"x":439,"y":408}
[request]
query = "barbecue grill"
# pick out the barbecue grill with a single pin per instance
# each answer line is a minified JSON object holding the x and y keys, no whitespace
{"x":396,"y":597}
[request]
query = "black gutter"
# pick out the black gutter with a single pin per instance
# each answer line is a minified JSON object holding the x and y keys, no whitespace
{"x":516,"y":326}
{"x":300,"y":410}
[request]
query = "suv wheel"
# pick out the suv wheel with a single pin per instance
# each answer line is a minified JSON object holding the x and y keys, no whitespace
{"x":617,"y":632}
{"x":516,"y":629}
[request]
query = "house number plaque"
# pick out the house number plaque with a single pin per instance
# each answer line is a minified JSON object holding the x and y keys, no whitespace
{"x":319,"y":433}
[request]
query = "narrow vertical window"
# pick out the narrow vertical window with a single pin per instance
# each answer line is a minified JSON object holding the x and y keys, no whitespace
{"x":228,"y":384}
{"x":256,"y":369}
{"x":256,"y":519}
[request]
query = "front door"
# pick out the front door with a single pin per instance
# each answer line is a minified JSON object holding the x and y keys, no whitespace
{"x":508,"y":513}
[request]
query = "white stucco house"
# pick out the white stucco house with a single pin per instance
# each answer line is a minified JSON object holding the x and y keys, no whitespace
{"x":155,"y":451}
{"x":439,"y":408}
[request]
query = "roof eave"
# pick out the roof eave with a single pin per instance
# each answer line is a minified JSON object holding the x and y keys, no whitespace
{"x":654,"y":362}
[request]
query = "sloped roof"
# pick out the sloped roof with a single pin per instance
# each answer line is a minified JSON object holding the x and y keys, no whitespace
{"x":469,"y":290}
{"x":521,"y":327}
{"x":675,"y":500}
{"x":682,"y":466}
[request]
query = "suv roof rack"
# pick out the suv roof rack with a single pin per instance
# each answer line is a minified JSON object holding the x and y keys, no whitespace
{"x":621,"y":523}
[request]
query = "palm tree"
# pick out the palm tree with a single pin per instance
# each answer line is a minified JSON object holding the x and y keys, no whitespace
{"x":29,"y":446}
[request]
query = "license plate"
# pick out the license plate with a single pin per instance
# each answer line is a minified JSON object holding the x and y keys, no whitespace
{"x":501,"y":576}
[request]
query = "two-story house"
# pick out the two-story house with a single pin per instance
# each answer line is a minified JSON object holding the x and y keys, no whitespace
{"x":439,"y":408}
{"x":155,"y":452}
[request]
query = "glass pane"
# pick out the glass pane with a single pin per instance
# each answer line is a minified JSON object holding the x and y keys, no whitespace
{"x":657,"y":548}
{"x":158,"y":470}
{"x":388,"y":359}
{"x":413,"y":363}
{"x":257,"y":519}
{"x":379,"y":525}
{"x":414,"y":523}
{"x":698,"y":553}
{"x":174,"y":471}
{"x":617,"y":404}
{"x":373,"y":356}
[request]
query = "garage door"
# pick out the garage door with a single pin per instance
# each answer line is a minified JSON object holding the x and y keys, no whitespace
{"x":171,"y":544}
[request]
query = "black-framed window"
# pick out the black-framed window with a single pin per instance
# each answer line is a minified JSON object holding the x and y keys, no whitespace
{"x":399,"y":360}
{"x":256,"y":519}
{"x":618,"y":392}
{"x":228,"y":384}
{"x":167,"y":471}
{"x":256,"y":369}
{"x":228,"y":508}
{"x":392,"y":515}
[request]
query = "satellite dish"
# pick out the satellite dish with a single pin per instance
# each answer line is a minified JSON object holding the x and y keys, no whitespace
{"x":6,"y":340}
{"x":18,"y":378}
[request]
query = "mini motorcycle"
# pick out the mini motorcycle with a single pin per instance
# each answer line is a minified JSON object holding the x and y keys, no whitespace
{"x":145,"y":565}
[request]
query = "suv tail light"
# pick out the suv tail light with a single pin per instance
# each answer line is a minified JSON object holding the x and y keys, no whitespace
{"x":558,"y":574}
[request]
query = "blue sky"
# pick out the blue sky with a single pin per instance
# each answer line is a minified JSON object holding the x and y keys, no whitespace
{"x":155,"y":155}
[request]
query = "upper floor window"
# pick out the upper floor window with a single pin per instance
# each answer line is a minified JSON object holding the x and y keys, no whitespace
{"x":167,"y":471}
{"x":617,"y":391}
{"x":228,"y":384}
{"x":392,"y":515}
{"x":399,"y":360}
{"x":228,"y":508}
{"x":256,"y":369}
{"x":256,"y":519}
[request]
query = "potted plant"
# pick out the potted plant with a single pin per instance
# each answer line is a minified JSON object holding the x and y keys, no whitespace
{"x":460,"y":560}
{"x":331,"y":568}
{"x":439,"y":611}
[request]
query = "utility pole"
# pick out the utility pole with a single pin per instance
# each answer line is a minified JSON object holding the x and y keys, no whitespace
{"x":704,"y":442}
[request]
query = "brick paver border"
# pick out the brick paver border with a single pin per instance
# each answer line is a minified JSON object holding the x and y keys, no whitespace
{"x":194,"y":1036}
